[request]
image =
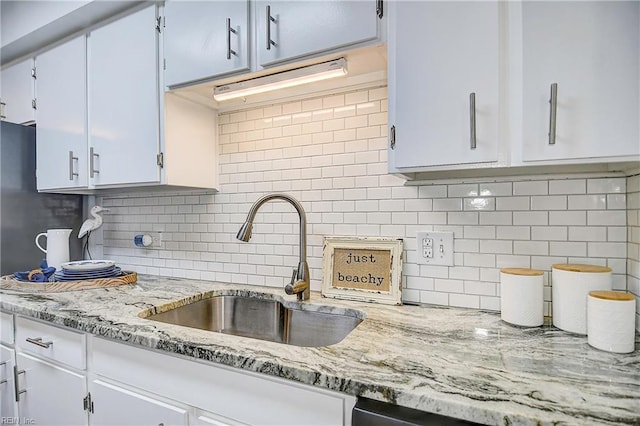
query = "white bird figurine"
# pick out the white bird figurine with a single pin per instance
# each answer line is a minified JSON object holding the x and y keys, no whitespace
{"x":91,"y":225}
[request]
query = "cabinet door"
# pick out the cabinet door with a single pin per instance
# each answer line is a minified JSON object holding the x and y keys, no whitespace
{"x":7,"y":392}
{"x":123,"y":101}
{"x":591,"y":50}
{"x":16,"y":93}
{"x":300,"y":28}
{"x":54,"y":395}
{"x":114,"y":405}
{"x":61,"y":133}
{"x":198,"y":44}
{"x":439,"y":54}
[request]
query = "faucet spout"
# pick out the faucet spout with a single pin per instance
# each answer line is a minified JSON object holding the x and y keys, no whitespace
{"x":300,"y":280}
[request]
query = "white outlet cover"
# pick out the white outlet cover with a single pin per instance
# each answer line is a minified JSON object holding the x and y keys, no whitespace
{"x":442,"y":248}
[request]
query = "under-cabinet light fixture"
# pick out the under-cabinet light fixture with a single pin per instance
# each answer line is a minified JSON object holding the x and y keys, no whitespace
{"x":295,"y":77}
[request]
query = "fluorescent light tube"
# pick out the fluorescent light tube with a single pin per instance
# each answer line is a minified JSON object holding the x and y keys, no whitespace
{"x":310,"y":74}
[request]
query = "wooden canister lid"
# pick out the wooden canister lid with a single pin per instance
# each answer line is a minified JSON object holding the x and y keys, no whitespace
{"x":576,"y":267}
{"x":612,"y":295}
{"x":521,"y":271}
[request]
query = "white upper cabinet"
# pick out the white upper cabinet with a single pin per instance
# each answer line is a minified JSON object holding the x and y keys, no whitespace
{"x":444,"y":77}
{"x":291,"y":29}
{"x":61,"y":133}
{"x":591,"y":51}
{"x":17,"y":93}
{"x":124,"y":101}
{"x":203,"y":40}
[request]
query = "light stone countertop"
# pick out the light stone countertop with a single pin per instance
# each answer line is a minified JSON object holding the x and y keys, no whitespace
{"x":458,"y":362}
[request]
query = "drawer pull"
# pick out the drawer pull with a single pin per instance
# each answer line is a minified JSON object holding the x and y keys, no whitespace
{"x":3,"y":381}
{"x":38,"y":341}
{"x":270,"y":19}
{"x":230,"y":30}
{"x":472,"y":116}
{"x":16,"y":386}
{"x":553,"y":109}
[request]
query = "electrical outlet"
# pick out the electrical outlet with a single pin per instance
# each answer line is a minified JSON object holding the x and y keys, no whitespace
{"x":435,"y":248}
{"x":157,"y":239}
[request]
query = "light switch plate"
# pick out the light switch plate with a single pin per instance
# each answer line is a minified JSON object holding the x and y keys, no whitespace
{"x":435,"y":248}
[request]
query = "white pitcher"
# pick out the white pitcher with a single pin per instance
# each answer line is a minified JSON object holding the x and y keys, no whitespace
{"x":57,"y":246}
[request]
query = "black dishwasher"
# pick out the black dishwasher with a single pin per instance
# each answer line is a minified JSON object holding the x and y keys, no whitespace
{"x":368,"y":412}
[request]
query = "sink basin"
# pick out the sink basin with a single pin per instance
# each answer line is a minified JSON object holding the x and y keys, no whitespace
{"x":264,"y":319}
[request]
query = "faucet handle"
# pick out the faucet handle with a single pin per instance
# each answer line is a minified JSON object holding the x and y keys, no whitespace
{"x":289,"y":287}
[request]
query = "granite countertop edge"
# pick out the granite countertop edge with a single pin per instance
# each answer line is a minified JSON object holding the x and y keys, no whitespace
{"x":457,"y":362}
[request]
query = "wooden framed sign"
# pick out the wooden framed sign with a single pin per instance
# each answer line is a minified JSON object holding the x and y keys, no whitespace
{"x":363,"y":268}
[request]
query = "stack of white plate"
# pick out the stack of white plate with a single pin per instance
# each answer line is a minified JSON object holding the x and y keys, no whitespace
{"x":87,"y":270}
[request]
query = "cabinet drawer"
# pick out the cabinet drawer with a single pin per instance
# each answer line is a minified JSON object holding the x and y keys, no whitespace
{"x":222,"y":390}
{"x":64,"y":346}
{"x":6,"y":328}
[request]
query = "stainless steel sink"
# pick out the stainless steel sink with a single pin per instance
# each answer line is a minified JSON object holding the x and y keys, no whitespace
{"x":264,"y":319}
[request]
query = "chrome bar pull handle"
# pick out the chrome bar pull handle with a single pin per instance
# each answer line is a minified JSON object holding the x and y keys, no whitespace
{"x":553,"y":109}
{"x":2,"y":106}
{"x":270,"y":19}
{"x":229,"y":31}
{"x":16,"y":386}
{"x":71,"y":172}
{"x":92,"y":169}
{"x":3,"y":381}
{"x":38,"y":342}
{"x":472,"y":118}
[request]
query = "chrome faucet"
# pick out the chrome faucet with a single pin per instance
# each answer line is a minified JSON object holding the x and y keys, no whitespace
{"x":299,"y":284}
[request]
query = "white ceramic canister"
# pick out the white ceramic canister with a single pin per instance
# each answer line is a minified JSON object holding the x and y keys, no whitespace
{"x":611,"y":318}
{"x":571,"y":283}
{"x":521,"y":295}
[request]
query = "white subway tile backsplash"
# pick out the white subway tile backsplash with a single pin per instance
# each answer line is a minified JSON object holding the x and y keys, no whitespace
{"x":567,"y":218}
{"x":464,"y":301}
{"x":513,"y":232}
{"x":447,"y":204}
{"x":497,"y":247}
{"x":479,"y":203}
{"x":551,"y":202}
{"x":568,"y":248}
{"x":432,"y":191}
{"x":606,"y":185}
{"x":616,"y":201}
{"x":607,"y":217}
{"x":496,"y":218}
{"x":330,"y":152}
{"x":588,"y":233}
{"x":481,"y":232}
{"x":496,"y":189}
{"x":537,"y":187}
{"x":463,"y":190}
{"x":569,"y":186}
{"x":512,"y":203}
{"x":587,"y":202}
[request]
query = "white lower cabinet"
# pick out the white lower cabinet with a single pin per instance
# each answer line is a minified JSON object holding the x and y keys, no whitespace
{"x":116,"y":405}
{"x":8,"y":406}
{"x":230,"y":396}
{"x":50,"y":374}
{"x":65,"y":377}
{"x":51,"y":394}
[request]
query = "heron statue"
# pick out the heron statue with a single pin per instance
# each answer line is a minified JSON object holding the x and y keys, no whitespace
{"x":90,"y":225}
